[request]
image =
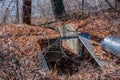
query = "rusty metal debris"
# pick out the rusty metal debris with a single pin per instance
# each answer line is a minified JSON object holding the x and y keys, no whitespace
{"x":54,"y":53}
{"x":84,"y":40}
{"x":111,"y":44}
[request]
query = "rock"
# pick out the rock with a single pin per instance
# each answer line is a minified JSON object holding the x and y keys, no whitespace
{"x":71,"y":45}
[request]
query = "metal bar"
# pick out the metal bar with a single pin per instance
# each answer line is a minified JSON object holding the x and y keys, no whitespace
{"x":64,"y":38}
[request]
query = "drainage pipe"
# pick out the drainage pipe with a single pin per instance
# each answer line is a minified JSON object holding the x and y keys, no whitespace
{"x":111,"y":44}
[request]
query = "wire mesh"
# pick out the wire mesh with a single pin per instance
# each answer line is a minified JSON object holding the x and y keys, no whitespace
{"x":42,"y":10}
{"x":21,"y":40}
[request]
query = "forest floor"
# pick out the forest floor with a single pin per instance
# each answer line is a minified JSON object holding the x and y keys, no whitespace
{"x":19,"y":49}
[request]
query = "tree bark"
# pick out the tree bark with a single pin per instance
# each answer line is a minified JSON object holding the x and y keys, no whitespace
{"x":58,"y":8}
{"x":27,"y":5}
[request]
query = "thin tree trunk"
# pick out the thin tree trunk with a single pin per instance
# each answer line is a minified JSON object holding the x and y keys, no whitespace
{"x":27,"y":11}
{"x":17,"y":11}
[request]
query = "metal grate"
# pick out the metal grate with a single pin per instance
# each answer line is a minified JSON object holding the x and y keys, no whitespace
{"x":42,"y":63}
{"x":85,"y":39}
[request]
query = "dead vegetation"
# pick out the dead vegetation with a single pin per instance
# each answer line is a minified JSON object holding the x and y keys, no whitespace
{"x":19,"y":48}
{"x":20,"y":44}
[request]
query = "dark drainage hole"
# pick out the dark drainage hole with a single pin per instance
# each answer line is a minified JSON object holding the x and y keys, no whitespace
{"x":64,"y":66}
{"x":71,"y":65}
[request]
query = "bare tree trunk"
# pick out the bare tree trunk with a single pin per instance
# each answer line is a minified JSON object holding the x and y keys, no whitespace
{"x":58,"y":8}
{"x":17,"y":11}
{"x":27,"y":5}
{"x":82,"y":4}
{"x":117,"y":3}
